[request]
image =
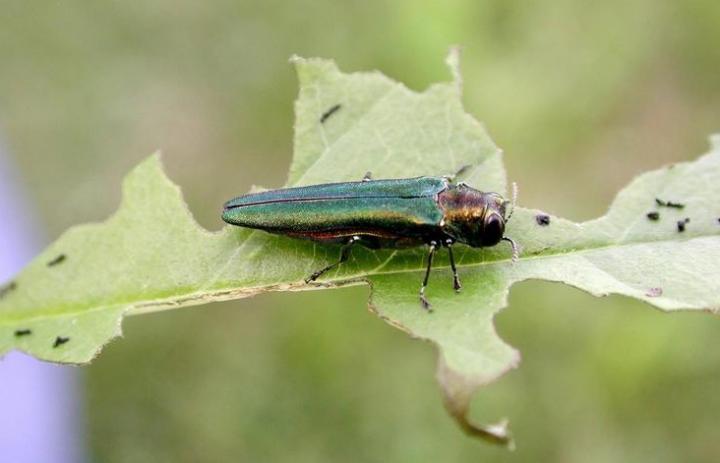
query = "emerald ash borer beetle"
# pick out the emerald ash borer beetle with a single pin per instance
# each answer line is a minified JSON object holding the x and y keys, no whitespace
{"x":395,"y":213}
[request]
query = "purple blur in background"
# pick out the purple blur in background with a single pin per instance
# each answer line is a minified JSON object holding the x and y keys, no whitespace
{"x":41,"y":416}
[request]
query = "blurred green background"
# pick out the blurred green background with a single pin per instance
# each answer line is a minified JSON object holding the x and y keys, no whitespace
{"x":582,"y":96}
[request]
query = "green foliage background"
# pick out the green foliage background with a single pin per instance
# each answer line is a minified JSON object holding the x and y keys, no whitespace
{"x":581,"y":96}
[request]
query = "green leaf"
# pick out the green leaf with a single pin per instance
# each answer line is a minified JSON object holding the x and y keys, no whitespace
{"x":152,"y":255}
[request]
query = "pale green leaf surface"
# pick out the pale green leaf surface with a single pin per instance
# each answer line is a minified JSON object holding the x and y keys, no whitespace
{"x":151,"y":255}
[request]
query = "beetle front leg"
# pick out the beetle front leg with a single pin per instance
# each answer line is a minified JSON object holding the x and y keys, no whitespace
{"x":514,"y":246}
{"x":344,"y":254}
{"x":423,"y":300}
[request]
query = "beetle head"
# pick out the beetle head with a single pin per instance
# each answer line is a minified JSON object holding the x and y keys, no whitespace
{"x":473,"y":217}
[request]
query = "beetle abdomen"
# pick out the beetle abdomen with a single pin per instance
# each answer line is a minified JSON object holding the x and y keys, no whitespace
{"x":383,"y":207}
{"x":309,"y":215}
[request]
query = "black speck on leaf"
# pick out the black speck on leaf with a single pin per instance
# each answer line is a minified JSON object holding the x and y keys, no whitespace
{"x":542,"y":219}
{"x":326,"y":115}
{"x":57,"y":261}
{"x":681,"y":224}
{"x":25,"y":332}
{"x":670,"y":204}
{"x":654,"y":216}
{"x":59,"y":341}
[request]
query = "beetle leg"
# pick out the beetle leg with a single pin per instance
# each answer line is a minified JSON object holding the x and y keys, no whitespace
{"x":461,"y":172}
{"x":367,"y":177}
{"x":423,"y":300}
{"x":344,"y":254}
{"x":515,"y":250}
{"x":456,"y":278}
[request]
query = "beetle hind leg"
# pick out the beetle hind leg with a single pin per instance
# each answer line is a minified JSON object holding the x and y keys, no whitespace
{"x":344,"y":254}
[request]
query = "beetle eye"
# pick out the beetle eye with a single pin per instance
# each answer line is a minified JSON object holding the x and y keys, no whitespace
{"x":493,"y":230}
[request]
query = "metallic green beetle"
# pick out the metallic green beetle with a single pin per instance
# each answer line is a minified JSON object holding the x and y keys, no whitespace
{"x":396,"y":213}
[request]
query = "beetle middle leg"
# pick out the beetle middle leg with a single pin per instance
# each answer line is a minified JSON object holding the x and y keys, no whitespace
{"x":460,"y":173}
{"x":344,"y":254}
{"x":456,"y":279}
{"x":423,"y":300}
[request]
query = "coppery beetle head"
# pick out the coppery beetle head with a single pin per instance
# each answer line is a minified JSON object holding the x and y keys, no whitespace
{"x":473,"y":217}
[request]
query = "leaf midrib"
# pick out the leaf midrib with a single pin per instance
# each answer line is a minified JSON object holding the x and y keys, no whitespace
{"x":197,"y":298}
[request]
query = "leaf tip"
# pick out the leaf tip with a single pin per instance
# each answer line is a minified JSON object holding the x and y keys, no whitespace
{"x":453,"y":62}
{"x":146,"y":173}
{"x":312,"y":69}
{"x":458,"y":390}
{"x":151,"y":163}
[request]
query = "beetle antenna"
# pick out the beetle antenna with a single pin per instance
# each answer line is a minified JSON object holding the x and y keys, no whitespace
{"x":515,"y":249}
{"x":514,"y":200}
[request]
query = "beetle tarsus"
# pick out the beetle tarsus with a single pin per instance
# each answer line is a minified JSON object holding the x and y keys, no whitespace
{"x":456,"y":284}
{"x":423,"y":300}
{"x":344,"y":254}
